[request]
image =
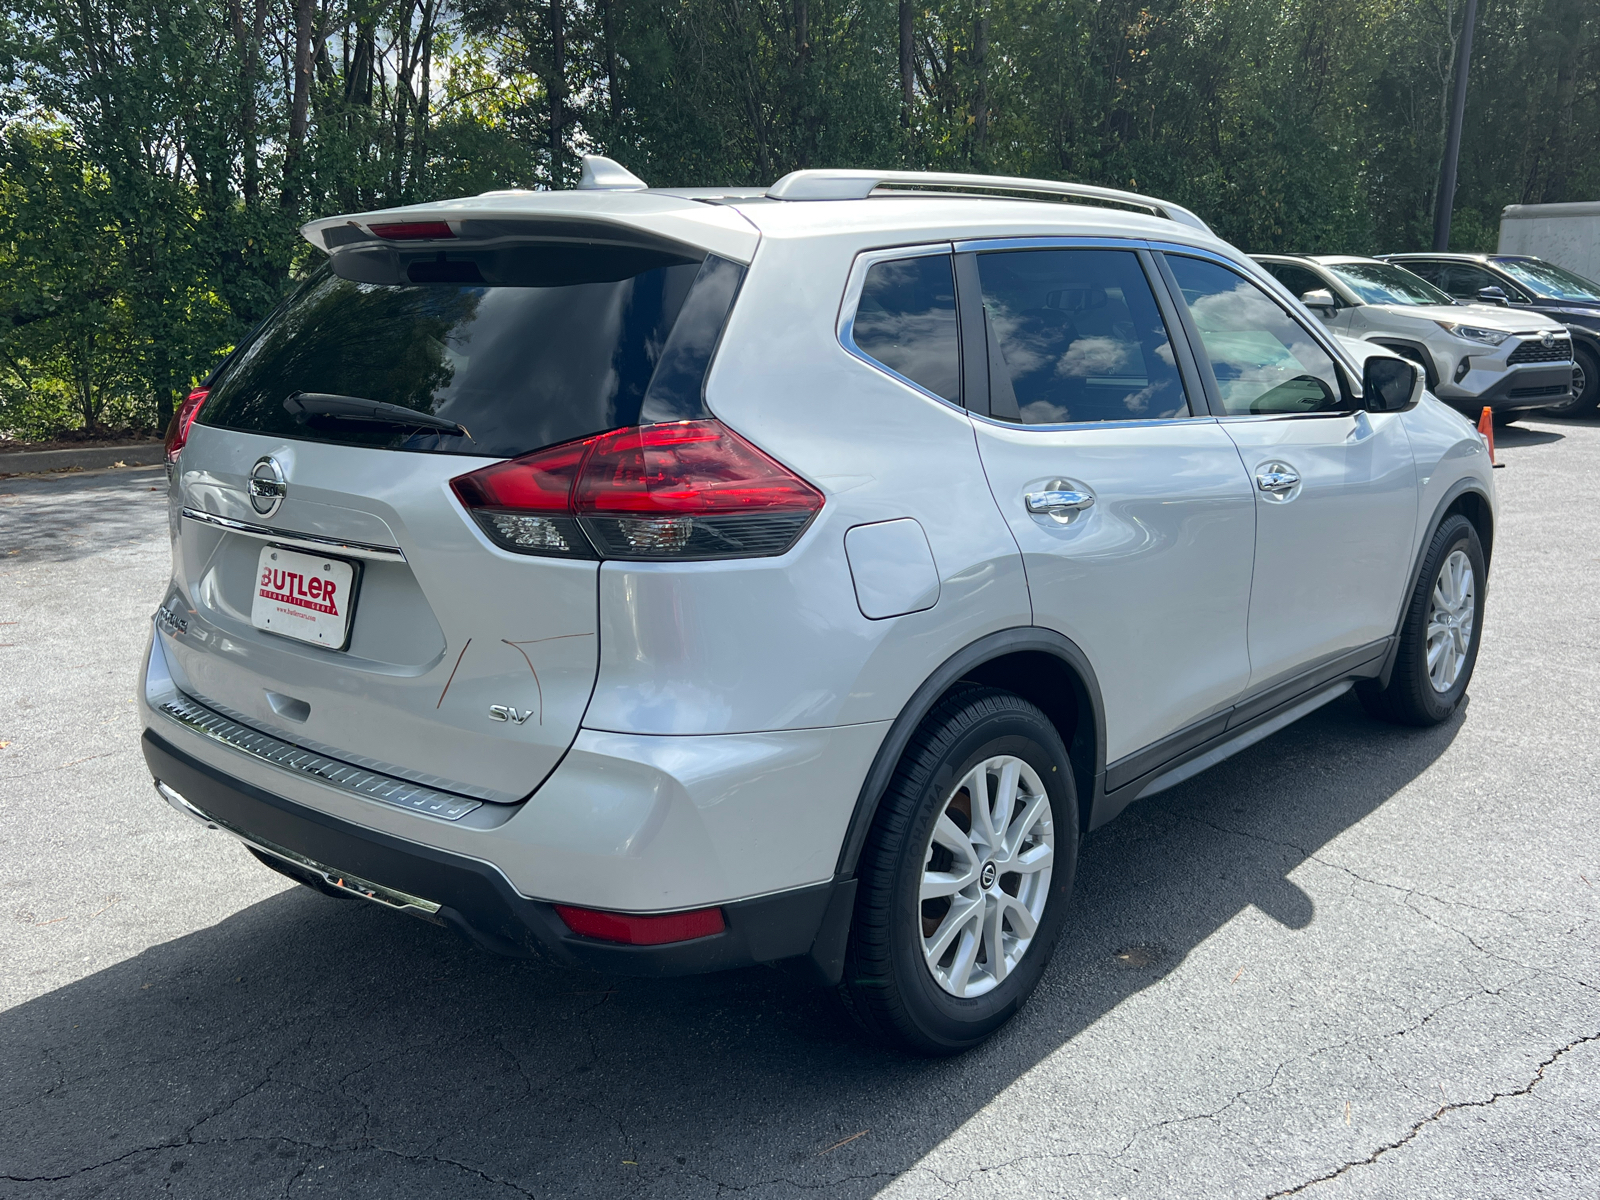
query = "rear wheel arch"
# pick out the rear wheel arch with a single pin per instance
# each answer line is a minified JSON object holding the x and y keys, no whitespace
{"x":1040,"y":665}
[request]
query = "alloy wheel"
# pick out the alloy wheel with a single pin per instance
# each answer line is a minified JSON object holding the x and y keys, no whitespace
{"x":986,"y":876}
{"x":1450,"y":621}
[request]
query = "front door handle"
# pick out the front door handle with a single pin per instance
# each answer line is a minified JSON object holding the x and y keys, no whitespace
{"x":1277,"y":480}
{"x":1057,"y":503}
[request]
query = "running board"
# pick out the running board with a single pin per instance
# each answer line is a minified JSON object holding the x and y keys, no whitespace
{"x":1243,"y":741}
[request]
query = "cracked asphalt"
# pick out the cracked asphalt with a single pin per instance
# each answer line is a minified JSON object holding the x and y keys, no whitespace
{"x":1354,"y":960}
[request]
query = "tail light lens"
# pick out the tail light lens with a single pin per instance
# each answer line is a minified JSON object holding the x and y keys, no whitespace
{"x":178,"y":427}
{"x":639,"y":929}
{"x":413,"y":231}
{"x":680,"y":491}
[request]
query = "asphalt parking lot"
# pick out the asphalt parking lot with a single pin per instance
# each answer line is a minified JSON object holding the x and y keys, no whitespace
{"x":1354,"y":960}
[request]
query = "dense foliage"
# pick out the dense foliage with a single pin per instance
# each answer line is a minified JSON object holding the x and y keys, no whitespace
{"x":156,"y":160}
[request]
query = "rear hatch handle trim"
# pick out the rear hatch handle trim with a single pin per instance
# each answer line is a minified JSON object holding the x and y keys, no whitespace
{"x":302,"y":541}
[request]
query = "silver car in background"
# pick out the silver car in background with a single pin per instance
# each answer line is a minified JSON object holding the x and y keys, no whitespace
{"x":673,"y":580}
{"x":1474,"y":356}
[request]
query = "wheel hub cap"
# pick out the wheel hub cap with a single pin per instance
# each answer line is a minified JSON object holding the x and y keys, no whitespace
{"x":1451,"y":610}
{"x":986,"y":876}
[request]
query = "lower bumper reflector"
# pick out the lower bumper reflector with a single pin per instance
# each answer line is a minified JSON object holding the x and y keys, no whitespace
{"x":639,"y":929}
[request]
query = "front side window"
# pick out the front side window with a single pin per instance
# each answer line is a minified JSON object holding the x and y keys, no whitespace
{"x":1547,"y":279}
{"x":1464,"y":281}
{"x":1298,"y":280}
{"x":906,"y":320}
{"x":1385,"y":283}
{"x":1076,"y":335}
{"x":1264,"y":361}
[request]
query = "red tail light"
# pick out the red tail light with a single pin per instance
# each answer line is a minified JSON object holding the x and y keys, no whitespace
{"x":413,"y":231}
{"x":685,"y":490}
{"x":640,"y":930}
{"x":178,"y":427}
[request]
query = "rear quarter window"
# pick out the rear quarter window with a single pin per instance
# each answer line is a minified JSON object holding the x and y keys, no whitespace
{"x":522,"y":348}
{"x":906,"y":320}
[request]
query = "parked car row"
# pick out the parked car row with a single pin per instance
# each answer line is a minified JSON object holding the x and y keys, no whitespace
{"x":1507,"y":332}
{"x":673,"y":580}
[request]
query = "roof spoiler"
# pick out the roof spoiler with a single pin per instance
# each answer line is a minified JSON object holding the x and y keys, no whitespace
{"x":858,"y":185}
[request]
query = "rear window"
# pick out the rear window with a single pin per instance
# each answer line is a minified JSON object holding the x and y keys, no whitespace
{"x":521,"y":347}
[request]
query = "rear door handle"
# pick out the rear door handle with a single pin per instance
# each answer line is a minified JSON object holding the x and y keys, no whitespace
{"x":1277,"y":480}
{"x":1055,"y":503}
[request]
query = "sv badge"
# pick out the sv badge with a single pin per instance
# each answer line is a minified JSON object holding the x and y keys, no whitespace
{"x":504,"y":712}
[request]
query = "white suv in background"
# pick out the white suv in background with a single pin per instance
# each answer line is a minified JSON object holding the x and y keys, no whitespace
{"x":674,"y":580}
{"x":1475,"y":356}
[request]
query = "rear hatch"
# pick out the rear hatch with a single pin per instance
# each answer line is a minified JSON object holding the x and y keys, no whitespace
{"x":338,"y":593}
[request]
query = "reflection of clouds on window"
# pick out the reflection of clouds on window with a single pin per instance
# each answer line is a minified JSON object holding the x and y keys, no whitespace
{"x":906,"y":320}
{"x":1076,"y":336}
{"x":1096,"y":356}
{"x":1263,"y":361}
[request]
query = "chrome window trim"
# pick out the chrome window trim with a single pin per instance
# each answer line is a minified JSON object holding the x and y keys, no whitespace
{"x":845,"y":327}
{"x":332,"y":772}
{"x":1085,"y":426}
{"x":302,"y":541}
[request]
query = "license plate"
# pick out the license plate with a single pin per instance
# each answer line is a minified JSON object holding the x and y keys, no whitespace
{"x":304,"y":596}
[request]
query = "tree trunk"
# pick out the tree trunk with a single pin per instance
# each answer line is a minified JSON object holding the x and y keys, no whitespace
{"x":608,"y":31}
{"x":300,"y":108}
{"x":980,"y":104}
{"x":907,"y":62}
{"x":556,"y":84}
{"x":249,"y":44}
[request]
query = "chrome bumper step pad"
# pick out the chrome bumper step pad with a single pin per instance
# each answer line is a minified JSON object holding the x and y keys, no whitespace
{"x":358,"y":781}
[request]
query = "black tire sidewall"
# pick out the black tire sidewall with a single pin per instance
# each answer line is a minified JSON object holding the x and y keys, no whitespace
{"x":1456,"y":533}
{"x":947,"y":1021}
{"x":1584,"y":403}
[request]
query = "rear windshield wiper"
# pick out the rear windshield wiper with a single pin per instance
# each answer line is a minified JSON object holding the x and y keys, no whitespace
{"x":304,"y":405}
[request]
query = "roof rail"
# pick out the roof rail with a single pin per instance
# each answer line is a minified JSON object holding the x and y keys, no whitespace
{"x":858,"y":185}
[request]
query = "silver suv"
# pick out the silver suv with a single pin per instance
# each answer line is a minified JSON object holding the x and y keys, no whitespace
{"x":1474,"y":356}
{"x":672,"y":580}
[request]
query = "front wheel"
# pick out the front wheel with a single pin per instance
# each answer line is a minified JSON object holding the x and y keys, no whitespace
{"x":965,"y":876}
{"x":1585,"y":385}
{"x":1439,"y":635}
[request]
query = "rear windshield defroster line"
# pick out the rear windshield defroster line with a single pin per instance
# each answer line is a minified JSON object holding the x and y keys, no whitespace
{"x":562,"y":342}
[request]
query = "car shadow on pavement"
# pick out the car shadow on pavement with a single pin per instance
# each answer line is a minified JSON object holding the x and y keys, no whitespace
{"x":1509,"y":437}
{"x":307,"y":1040}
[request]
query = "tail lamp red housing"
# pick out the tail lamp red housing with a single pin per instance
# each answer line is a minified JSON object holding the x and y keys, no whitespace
{"x":682,"y":490}
{"x":642,"y":929}
{"x":178,"y":427}
{"x":413,"y":231}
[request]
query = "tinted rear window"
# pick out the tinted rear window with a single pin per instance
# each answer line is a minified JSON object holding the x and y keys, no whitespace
{"x":522,"y":348}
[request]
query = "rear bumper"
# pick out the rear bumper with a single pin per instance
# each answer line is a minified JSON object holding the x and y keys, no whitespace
{"x":474,"y":898}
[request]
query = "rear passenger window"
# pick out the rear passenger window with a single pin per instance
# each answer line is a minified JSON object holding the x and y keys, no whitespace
{"x":906,"y":320}
{"x":1076,"y":335}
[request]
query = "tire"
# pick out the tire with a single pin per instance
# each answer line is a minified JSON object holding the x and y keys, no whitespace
{"x":1586,"y":364}
{"x":889,"y":985}
{"x":1501,"y":416}
{"x":1418,"y":694}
